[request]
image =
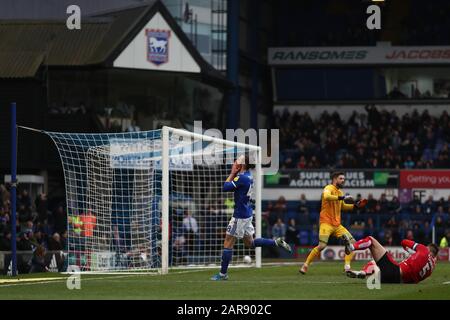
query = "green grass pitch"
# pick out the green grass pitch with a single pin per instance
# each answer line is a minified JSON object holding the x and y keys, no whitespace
{"x":325,"y":280}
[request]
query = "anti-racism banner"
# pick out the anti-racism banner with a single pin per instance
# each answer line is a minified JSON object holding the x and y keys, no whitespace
{"x":317,"y":179}
{"x":383,"y":54}
{"x":427,"y":179}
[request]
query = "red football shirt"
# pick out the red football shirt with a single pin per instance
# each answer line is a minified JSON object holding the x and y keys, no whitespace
{"x":419,"y":265}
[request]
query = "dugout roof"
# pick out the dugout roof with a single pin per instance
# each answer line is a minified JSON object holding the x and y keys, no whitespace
{"x":27,"y":45}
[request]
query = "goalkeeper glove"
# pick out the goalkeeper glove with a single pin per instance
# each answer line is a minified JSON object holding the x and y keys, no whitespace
{"x":347,"y":198}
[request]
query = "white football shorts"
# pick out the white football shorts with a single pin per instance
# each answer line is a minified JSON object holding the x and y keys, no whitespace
{"x":240,"y":227}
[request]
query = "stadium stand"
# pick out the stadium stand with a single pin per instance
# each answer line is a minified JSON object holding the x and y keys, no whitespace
{"x":386,"y":220}
{"x":371,"y":139}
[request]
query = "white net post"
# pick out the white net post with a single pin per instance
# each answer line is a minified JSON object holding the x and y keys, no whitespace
{"x":258,"y":204}
{"x":165,"y":201}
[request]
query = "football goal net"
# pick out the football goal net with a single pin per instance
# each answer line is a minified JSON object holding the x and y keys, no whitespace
{"x":151,"y":200}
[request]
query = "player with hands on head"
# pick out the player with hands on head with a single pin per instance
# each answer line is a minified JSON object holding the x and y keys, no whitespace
{"x":240,"y":181}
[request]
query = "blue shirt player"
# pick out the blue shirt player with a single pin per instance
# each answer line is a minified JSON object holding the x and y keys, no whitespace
{"x":240,"y":181}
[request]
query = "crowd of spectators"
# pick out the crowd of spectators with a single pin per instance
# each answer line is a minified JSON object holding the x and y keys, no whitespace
{"x":37,"y":225}
{"x":369,"y":139}
{"x":385,"y":218}
{"x":41,"y":228}
{"x":117,"y":118}
{"x":441,"y":91}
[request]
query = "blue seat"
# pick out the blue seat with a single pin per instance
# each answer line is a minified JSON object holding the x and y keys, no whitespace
{"x":304,"y":237}
{"x":314,"y":236}
{"x":292,"y":205}
{"x":313,"y":217}
{"x":291,"y":215}
{"x":357,"y":234}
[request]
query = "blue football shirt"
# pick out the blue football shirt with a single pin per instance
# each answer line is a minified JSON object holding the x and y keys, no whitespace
{"x":242,"y":185}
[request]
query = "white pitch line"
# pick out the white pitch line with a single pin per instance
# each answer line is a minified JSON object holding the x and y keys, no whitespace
{"x":157,"y":279}
{"x":247,"y":281}
{"x":269,"y":282}
{"x":54,"y":281}
{"x":63,"y":279}
{"x":447,"y":282}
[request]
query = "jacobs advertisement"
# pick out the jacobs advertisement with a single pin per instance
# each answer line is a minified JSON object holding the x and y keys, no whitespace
{"x":318,"y":179}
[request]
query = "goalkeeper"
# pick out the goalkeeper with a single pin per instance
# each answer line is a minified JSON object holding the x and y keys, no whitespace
{"x":240,"y":181}
{"x":333,"y":201}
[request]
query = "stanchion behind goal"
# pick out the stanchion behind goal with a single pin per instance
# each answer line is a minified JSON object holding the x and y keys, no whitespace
{"x":13,"y":189}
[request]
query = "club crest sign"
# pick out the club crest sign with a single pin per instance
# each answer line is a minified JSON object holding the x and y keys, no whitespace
{"x":157,"y":46}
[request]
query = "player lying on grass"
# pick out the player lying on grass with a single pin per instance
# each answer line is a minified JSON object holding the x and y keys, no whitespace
{"x":240,"y":181}
{"x":333,"y":202}
{"x":414,"y":269}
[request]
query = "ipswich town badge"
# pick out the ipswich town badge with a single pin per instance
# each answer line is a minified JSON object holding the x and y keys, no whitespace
{"x":157,"y":46}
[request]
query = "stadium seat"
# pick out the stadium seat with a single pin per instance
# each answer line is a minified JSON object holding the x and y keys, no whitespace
{"x":304,"y":237}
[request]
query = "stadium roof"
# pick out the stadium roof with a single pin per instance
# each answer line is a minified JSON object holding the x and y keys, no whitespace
{"x":28,"y":44}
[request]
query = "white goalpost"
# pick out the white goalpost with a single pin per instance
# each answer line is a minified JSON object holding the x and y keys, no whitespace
{"x":151,"y":200}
